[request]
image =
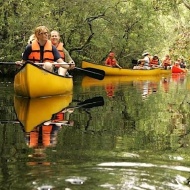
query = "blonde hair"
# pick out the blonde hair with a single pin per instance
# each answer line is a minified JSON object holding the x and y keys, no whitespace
{"x":40,"y":29}
{"x":55,"y":31}
{"x":31,"y":38}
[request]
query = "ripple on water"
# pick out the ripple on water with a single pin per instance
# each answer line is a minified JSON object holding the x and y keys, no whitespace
{"x":133,"y":175}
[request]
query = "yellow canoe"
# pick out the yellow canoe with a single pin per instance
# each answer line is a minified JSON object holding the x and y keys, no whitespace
{"x":121,"y":72}
{"x":35,"y":111}
{"x":87,"y":81}
{"x":33,"y":81}
{"x":165,"y":72}
{"x":176,"y":69}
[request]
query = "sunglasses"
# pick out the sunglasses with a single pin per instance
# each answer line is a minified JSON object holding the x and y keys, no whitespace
{"x":43,"y":33}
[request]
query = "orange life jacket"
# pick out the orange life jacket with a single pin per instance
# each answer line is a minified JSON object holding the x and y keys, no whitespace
{"x":46,"y":137}
{"x":33,"y":139}
{"x":60,"y":49}
{"x":111,"y":62}
{"x":154,"y":62}
{"x":166,"y":62}
{"x":110,"y":88}
{"x":59,"y":116}
{"x":47,"y":54}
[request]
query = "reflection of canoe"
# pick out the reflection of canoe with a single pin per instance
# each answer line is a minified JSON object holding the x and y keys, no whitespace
{"x":178,"y":70}
{"x":87,"y":81}
{"x":35,"y":111}
{"x":121,"y":72}
{"x":178,"y":77}
{"x":33,"y":81}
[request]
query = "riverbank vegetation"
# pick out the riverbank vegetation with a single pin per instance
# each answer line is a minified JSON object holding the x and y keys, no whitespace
{"x":90,"y":29}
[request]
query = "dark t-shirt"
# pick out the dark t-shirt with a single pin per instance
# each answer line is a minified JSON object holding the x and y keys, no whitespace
{"x":28,"y":50}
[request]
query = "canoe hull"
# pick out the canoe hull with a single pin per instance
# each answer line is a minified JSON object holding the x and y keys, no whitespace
{"x":33,"y":81}
{"x":165,"y":71}
{"x":109,"y":71}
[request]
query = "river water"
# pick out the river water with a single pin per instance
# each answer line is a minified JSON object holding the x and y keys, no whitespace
{"x":121,"y":133}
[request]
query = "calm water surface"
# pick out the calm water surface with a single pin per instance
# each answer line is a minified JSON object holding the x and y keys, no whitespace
{"x":129,"y":133}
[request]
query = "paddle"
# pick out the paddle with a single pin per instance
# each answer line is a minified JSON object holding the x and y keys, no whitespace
{"x":91,"y":72}
{"x":90,"y":103}
{"x":94,"y":73}
{"x":59,"y":123}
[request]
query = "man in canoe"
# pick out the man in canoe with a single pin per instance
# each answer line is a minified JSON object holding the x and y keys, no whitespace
{"x":41,"y":50}
{"x":155,"y":62}
{"x":55,"y":40}
{"x":145,"y":62}
{"x":111,"y":61}
{"x":183,"y":63}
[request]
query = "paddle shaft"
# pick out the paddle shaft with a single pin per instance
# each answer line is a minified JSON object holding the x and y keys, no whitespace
{"x":9,"y":121}
{"x":14,"y":63}
{"x":94,"y":73}
{"x":91,"y":72}
{"x":89,"y":105}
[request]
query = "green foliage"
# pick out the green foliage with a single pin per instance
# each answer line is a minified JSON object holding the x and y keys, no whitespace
{"x":90,"y":29}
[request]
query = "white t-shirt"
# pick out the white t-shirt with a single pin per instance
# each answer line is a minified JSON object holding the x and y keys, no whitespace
{"x":146,"y":60}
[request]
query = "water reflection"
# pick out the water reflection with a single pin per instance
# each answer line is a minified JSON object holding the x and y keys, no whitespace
{"x":33,"y":112}
{"x":145,"y":84}
{"x":127,"y":144}
{"x":131,"y":179}
{"x":146,"y":87}
{"x":176,"y":79}
{"x":165,"y":84}
{"x":179,"y":77}
{"x":110,"y":90}
{"x":89,"y":82}
{"x":43,"y":118}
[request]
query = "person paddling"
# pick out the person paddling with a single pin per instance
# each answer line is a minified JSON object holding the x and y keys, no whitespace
{"x":111,"y":61}
{"x":155,"y":62}
{"x":145,"y":61}
{"x":55,"y":40}
{"x":166,"y":63}
{"x":41,"y":50}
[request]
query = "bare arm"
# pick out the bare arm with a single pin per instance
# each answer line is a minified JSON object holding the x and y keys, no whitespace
{"x":68,"y":58}
{"x":66,"y":65}
{"x":118,"y":65}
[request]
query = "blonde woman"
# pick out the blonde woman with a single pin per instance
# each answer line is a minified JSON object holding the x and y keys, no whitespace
{"x":41,"y":50}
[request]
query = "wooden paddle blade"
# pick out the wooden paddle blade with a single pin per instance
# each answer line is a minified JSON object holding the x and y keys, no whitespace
{"x":94,"y":73}
{"x":93,"y":102}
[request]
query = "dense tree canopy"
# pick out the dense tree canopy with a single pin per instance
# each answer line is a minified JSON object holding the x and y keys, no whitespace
{"x":90,"y":29}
